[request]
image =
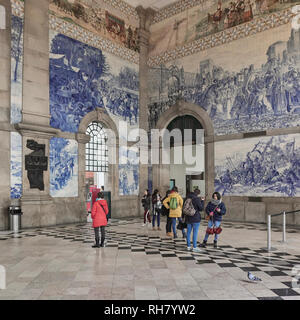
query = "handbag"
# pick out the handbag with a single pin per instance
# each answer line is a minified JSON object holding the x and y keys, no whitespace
{"x":181,"y":225}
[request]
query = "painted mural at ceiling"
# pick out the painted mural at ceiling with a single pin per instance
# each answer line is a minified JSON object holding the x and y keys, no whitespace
{"x":208,"y":18}
{"x":247,"y":85}
{"x":97,"y":20}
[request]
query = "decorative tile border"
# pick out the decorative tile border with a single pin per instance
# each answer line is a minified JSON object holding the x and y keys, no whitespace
{"x":85,"y":36}
{"x":17,"y":8}
{"x":241,"y":31}
{"x":175,"y":8}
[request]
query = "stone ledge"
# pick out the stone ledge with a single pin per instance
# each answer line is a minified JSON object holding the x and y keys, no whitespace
{"x":32,"y":130}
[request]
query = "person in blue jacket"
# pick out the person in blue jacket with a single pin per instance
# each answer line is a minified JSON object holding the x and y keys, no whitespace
{"x":193,"y":222}
{"x":215,"y":209}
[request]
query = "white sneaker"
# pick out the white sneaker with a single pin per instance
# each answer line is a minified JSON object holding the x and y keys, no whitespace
{"x":143,"y":225}
{"x":196,"y":250}
{"x":189,"y":248}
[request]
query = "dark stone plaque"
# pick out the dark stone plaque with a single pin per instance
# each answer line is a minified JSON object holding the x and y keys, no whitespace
{"x":35,"y":163}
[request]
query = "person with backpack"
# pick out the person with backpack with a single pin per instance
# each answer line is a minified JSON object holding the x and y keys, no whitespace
{"x":146,"y":204}
{"x":215,"y":210}
{"x":166,"y":212}
{"x":174,"y":202}
{"x":99,"y":213}
{"x":191,"y":209}
{"x":156,"y":205}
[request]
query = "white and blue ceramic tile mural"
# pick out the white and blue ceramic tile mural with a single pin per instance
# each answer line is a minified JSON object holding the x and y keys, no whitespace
{"x":265,"y":166}
{"x":16,"y":68}
{"x":128,"y":171}
{"x":15,"y":165}
{"x":83,"y":78}
{"x":63,"y":167}
{"x":247,"y":85}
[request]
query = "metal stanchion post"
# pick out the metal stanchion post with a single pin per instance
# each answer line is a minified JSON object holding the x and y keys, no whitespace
{"x":284,"y":227}
{"x":269,"y":233}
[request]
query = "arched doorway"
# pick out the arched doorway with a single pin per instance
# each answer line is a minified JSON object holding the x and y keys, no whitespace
{"x":187,"y":114}
{"x":187,"y":176}
{"x":99,"y":152}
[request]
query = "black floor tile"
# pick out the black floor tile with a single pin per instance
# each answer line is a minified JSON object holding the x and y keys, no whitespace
{"x":269,"y":298}
{"x":187,"y":258}
{"x":275,"y":273}
{"x":168,"y":255}
{"x":286,"y":292}
{"x":204,"y":261}
{"x":227,"y":265}
{"x":249,"y":268}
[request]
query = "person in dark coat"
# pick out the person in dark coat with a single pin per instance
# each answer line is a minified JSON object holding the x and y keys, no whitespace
{"x":156,"y":205}
{"x":146,"y":202}
{"x":166,"y":212}
{"x":193,"y":222}
{"x":99,"y":213}
{"x":215,"y":209}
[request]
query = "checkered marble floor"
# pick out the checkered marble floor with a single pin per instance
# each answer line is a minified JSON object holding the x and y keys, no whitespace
{"x":139,"y":263}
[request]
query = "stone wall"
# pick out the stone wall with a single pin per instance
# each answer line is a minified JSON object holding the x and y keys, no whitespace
{"x":4,"y":116}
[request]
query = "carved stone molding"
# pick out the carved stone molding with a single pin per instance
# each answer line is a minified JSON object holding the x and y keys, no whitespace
{"x":82,"y":138}
{"x":31,"y":130}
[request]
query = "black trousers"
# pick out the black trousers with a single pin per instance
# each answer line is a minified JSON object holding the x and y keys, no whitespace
{"x":96,"y":230}
{"x":168,"y":224}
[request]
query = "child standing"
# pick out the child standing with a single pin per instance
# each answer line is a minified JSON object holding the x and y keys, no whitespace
{"x":99,"y":213}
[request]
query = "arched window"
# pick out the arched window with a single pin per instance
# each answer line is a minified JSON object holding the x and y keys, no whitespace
{"x":96,"y":151}
{"x":2,"y":18}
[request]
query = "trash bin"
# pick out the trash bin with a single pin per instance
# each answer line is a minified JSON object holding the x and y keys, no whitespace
{"x":14,"y":218}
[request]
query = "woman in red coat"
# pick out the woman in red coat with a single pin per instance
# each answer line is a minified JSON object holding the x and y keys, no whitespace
{"x":99,"y":212}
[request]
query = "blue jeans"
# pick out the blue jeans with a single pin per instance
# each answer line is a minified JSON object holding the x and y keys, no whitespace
{"x":195,"y":226}
{"x":158,"y":218}
{"x":210,"y":225}
{"x":174,"y":226}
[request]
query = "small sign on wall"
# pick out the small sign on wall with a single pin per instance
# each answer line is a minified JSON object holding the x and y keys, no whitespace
{"x":2,"y":18}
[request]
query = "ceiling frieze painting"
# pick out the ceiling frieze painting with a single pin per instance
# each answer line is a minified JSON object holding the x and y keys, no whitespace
{"x":97,"y":17}
{"x":206,"y":19}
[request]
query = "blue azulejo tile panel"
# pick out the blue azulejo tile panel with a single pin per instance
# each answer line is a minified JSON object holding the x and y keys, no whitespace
{"x":128,"y":171}
{"x":250,"y":84}
{"x":63,"y":167}
{"x":83,"y":78}
{"x":265,"y":166}
{"x":15,"y":165}
{"x":16,"y":68}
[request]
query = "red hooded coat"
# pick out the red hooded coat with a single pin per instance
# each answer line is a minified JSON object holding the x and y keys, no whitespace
{"x":98,"y":214}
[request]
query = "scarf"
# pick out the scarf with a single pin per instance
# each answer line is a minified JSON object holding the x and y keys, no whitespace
{"x":215,"y":202}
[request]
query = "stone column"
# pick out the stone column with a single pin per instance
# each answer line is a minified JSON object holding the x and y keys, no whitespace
{"x":145,"y":16}
{"x":82,"y":140}
{"x":5,"y":127}
{"x":37,"y":205}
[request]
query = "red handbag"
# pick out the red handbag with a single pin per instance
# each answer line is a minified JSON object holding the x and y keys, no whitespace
{"x":210,"y":230}
{"x":217,"y":230}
